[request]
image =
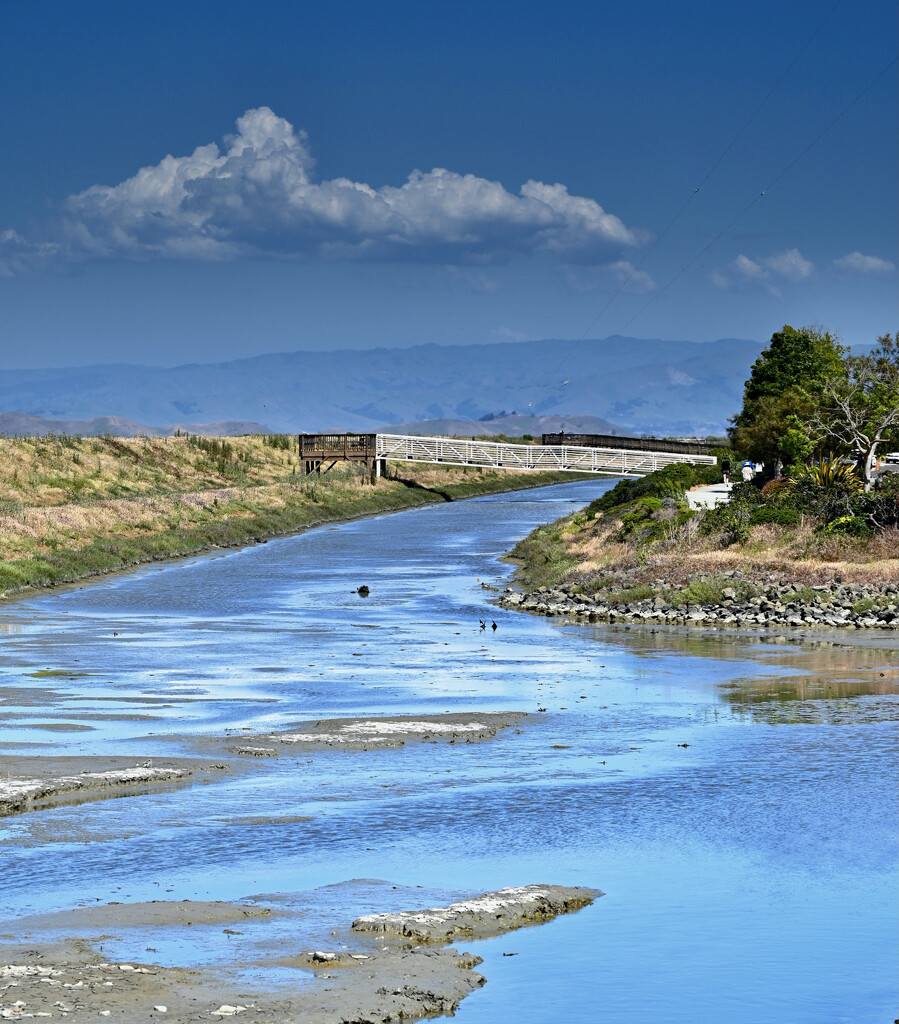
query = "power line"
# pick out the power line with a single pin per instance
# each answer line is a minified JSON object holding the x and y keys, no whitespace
{"x":764,"y":191}
{"x":711,"y":170}
{"x":657,"y":241}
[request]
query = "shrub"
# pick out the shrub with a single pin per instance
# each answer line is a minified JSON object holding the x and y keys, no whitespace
{"x":699,"y":592}
{"x":631,"y":595}
{"x":848,"y":526}
{"x":668,"y":482}
{"x":803,"y":595}
{"x":640,"y":519}
{"x":777,"y":487}
{"x":711,"y":591}
{"x":284,"y":442}
{"x":778,"y":515}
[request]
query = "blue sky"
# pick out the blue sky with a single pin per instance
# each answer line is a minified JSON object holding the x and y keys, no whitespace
{"x":201,"y":181}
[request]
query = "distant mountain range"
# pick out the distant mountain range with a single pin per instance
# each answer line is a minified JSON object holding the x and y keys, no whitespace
{"x":635,"y":385}
{"x":511,"y":425}
{"x":15,"y":424}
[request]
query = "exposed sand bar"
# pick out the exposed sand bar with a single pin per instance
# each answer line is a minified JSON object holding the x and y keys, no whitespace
{"x":56,"y":972}
{"x":29,"y":784}
{"x":34,"y":783}
{"x":489,"y":914}
{"x":396,"y":730}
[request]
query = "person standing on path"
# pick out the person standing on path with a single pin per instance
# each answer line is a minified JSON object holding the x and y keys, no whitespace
{"x":747,"y":471}
{"x":725,"y":470}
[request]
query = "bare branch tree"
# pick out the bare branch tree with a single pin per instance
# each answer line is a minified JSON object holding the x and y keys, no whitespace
{"x":859,"y":410}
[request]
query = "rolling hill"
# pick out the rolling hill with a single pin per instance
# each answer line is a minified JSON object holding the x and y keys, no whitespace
{"x":640,"y":385}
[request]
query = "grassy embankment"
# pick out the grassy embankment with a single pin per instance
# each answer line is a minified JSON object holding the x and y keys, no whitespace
{"x":642,"y":531}
{"x":76,"y":507}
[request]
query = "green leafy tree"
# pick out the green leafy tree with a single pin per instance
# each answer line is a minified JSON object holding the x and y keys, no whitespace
{"x":784,"y":387}
{"x":795,"y":444}
{"x":859,"y":410}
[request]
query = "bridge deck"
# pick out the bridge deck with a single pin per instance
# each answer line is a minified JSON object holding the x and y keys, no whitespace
{"x":495,"y":455}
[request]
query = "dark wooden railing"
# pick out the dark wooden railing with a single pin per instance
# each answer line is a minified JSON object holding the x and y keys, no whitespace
{"x":633,"y":444}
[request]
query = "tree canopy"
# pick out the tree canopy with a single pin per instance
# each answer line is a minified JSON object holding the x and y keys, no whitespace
{"x":859,"y":407}
{"x":782,"y":392}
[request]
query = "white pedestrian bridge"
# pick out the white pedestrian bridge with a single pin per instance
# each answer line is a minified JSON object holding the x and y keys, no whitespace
{"x":497,"y":455}
{"x":319,"y":451}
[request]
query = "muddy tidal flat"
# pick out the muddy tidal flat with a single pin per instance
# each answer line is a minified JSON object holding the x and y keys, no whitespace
{"x":60,"y":971}
{"x":235,"y":787}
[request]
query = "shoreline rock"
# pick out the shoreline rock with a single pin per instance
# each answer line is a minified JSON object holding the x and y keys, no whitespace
{"x":746,"y":603}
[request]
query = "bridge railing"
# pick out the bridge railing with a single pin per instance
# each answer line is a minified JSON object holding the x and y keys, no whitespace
{"x":495,"y":455}
{"x":634,"y":444}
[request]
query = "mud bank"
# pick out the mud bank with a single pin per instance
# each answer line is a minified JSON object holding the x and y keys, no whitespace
{"x":389,"y":731}
{"x":57,"y":973}
{"x":486,"y":915}
{"x":156,"y":501}
{"x":35,"y":783}
{"x":32,"y":783}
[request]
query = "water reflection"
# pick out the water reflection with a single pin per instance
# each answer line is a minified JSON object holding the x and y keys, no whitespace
{"x":749,"y":870}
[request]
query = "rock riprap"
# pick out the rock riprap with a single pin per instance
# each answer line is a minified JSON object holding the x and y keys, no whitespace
{"x":853,"y":606}
{"x":489,"y":914}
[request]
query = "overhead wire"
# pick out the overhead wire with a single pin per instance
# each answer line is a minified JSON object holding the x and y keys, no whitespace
{"x":635,"y":268}
{"x":763,"y":193}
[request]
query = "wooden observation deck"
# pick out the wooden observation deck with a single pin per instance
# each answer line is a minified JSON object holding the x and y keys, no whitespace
{"x":320,"y":452}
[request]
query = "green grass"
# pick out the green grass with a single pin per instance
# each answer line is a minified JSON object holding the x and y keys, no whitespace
{"x":542,"y":552}
{"x":711,"y":591}
{"x":871,"y":604}
{"x":631,"y":595}
{"x":803,"y":595}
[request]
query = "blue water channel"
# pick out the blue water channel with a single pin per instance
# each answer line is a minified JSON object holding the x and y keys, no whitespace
{"x":733,"y":795}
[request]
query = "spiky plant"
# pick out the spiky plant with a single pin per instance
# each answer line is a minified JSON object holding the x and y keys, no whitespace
{"x":832,"y":472}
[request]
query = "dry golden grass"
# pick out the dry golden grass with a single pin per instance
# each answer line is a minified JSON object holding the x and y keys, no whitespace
{"x":71,"y":507}
{"x":56,"y":470}
{"x":795,"y":552}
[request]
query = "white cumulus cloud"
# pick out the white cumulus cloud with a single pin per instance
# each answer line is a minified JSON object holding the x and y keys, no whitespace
{"x":768,"y":272}
{"x":862,"y":264}
{"x":257,"y":198}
